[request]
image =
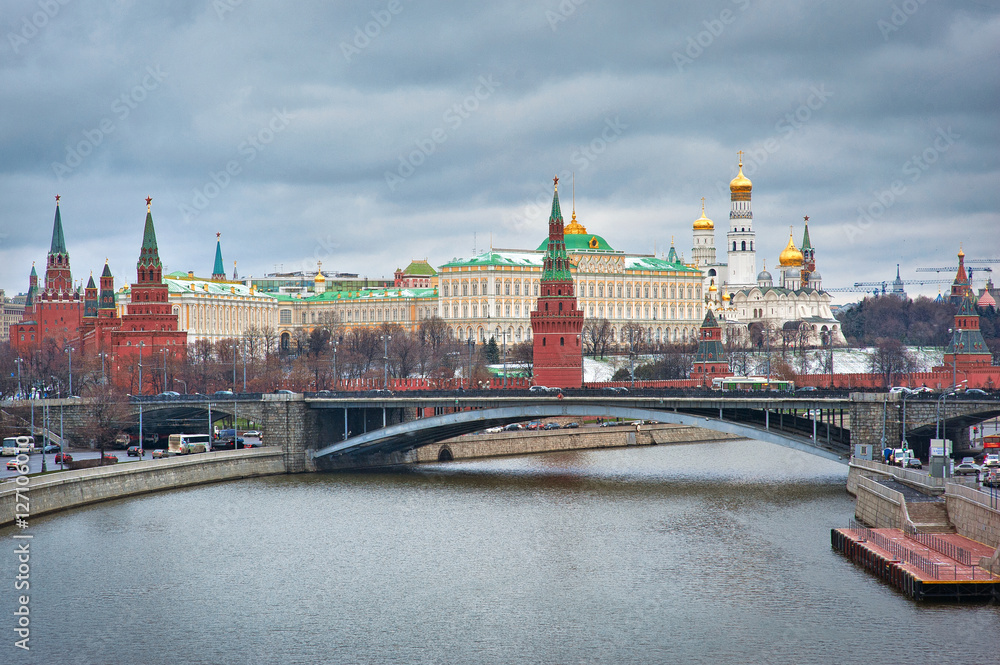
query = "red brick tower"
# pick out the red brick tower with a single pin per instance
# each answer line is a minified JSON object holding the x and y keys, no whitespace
{"x":710,"y":361}
{"x":149,"y":321}
{"x":556,"y":323}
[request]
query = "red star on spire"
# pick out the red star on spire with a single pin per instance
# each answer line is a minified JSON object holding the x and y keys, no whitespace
{"x":555,"y":182}
{"x":217,"y":235}
{"x":57,"y":199}
{"x":806,"y":218}
{"x":149,"y":199}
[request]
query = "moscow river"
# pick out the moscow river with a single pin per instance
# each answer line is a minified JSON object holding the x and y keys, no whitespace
{"x":708,"y":553}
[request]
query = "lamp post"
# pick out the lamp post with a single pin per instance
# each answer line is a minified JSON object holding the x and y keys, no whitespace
{"x":184,"y":383}
{"x":69,"y":350}
{"x":104,"y":378}
{"x":385,"y":360}
{"x":335,"y":365}
{"x":19,"y":394}
{"x":955,"y":344}
{"x":236,"y":427}
{"x":631,"y":355}
{"x":141,"y":443}
{"x":472,"y":345}
{"x":164,"y":352}
{"x":504,"y":358}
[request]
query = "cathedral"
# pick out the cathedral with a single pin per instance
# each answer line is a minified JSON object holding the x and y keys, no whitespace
{"x":748,"y":303}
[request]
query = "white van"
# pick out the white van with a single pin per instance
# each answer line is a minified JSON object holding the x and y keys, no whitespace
{"x":9,"y":447}
{"x":15,"y":445}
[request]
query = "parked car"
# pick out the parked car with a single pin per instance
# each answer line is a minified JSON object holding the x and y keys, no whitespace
{"x":900,"y":390}
{"x":535,"y":424}
{"x":551,"y":426}
{"x":52,"y":448}
{"x":806,"y":389}
{"x":494,"y":430}
{"x":283,"y":392}
{"x":977,"y":392}
{"x":513,"y":427}
{"x":223,"y":393}
{"x":913,"y":463}
{"x":169,"y":393}
{"x":110,"y":457}
{"x":966,"y":469}
{"x":538,"y":389}
{"x":159,"y":453}
{"x":62,"y":458}
{"x":133,"y":451}
{"x":12,"y":465}
{"x":572,"y":425}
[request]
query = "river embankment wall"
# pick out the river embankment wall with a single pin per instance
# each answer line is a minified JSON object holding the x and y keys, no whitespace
{"x":471,"y":446}
{"x":39,"y":495}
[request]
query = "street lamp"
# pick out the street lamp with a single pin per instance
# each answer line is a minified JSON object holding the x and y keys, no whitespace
{"x":955,"y":345}
{"x":472,"y":345}
{"x":19,"y":393}
{"x":104,"y":379}
{"x":182,"y":381}
{"x":165,"y":385}
{"x":504,"y":333}
{"x":335,"y":365}
{"x":141,"y":345}
{"x":385,"y":361}
{"x":69,"y":350}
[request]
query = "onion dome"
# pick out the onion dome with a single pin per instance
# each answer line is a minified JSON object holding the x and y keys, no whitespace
{"x":712,"y":288}
{"x":740,"y":183}
{"x":790,"y":256}
{"x":764,"y":275}
{"x":319,"y":281}
{"x":987,"y":300}
{"x":703,"y":223}
{"x":725,"y":296}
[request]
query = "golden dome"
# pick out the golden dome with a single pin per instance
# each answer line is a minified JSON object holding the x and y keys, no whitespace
{"x":790,"y":256}
{"x":740,"y":183}
{"x":703,"y":223}
{"x":319,"y":272}
{"x":712,"y":288}
{"x":575,"y":227}
{"x":961,"y":252}
{"x":725,"y":296}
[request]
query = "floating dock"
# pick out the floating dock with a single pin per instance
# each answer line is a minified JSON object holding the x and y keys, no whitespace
{"x":924,"y":566}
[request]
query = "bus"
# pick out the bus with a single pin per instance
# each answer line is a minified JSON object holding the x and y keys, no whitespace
{"x":15,"y":445}
{"x":183,"y":444}
{"x":991,"y":443}
{"x":752,"y":383}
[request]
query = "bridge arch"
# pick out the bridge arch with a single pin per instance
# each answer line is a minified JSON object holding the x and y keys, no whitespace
{"x":416,"y":433}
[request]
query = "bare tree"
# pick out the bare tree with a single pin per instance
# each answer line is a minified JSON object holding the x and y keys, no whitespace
{"x":889,"y":359}
{"x":106,"y":414}
{"x":597,"y":336}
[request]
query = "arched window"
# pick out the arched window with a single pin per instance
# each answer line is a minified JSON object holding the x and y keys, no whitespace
{"x":743,"y":245}
{"x":562,"y":341}
{"x":734,"y":245}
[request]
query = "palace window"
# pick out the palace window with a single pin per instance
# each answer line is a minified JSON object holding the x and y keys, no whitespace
{"x":465,"y":289}
{"x":506,"y":288}
{"x":600,"y":290}
{"x":646,"y":292}
{"x":517,"y":288}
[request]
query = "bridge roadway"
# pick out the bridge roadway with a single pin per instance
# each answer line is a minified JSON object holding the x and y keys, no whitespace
{"x":331,"y":429}
{"x":782,"y":421}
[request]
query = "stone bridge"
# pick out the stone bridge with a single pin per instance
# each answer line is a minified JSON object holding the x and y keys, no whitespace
{"x":343,"y":429}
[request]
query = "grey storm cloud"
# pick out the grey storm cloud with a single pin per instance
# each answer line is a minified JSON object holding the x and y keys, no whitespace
{"x":364,"y":134}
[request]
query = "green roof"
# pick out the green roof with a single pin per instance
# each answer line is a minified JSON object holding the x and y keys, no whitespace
{"x":58,"y":239}
{"x":420,"y":268}
{"x":360,"y":294}
{"x":501,"y":257}
{"x":654,"y":263}
{"x":219,"y":269}
{"x":149,"y":255}
{"x":579,"y":243}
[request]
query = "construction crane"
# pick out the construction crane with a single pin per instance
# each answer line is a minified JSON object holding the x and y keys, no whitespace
{"x":881,"y":288}
{"x":953,"y":269}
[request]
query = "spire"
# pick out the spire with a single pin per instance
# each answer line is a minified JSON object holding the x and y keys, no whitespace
{"x":58,"y":239}
{"x":33,"y":273}
{"x":805,"y":236}
{"x":149,"y":255}
{"x":107,"y":269}
{"x":556,"y":262}
{"x":219,"y":271}
{"x":236,"y":275}
{"x":90,"y":283}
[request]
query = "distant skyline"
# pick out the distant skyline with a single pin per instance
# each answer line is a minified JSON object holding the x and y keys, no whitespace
{"x":368,"y":134}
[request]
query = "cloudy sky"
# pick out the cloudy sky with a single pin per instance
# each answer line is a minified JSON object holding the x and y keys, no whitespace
{"x":367,"y":133}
